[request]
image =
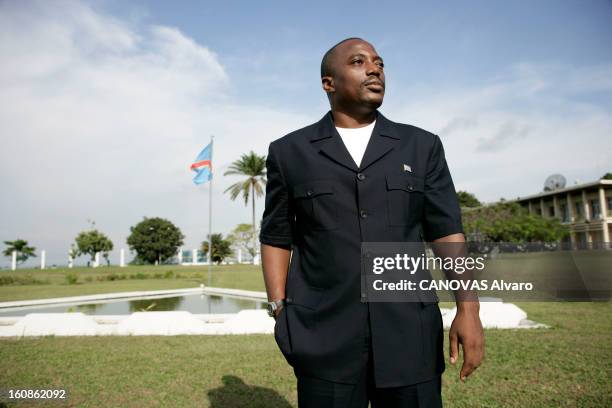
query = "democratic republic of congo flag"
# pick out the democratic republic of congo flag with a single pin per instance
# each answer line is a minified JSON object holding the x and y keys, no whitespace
{"x":203,"y":165}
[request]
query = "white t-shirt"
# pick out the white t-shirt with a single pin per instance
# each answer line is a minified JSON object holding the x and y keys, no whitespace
{"x":356,"y":140}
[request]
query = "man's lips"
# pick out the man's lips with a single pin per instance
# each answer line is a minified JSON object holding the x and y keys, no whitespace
{"x":375,"y":85}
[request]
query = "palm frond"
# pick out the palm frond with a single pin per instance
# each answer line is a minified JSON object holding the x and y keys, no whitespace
{"x":246,"y":190}
{"x":253,"y":167}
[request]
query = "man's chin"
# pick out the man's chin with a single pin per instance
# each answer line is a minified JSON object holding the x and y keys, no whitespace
{"x":374,"y":103}
{"x":374,"y":99}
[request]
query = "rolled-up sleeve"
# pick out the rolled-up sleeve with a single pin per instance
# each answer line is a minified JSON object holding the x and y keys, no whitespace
{"x":278,"y":221}
{"x":441,"y":210}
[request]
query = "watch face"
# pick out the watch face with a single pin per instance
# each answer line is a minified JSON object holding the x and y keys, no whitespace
{"x":271,"y":308}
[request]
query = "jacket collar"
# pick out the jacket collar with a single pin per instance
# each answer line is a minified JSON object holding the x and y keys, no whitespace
{"x":329,"y":143}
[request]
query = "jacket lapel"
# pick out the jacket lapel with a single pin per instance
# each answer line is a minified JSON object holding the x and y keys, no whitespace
{"x":329,"y":143}
{"x":383,"y":140}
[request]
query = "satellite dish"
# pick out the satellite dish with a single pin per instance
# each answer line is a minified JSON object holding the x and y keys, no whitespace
{"x":554,"y":182}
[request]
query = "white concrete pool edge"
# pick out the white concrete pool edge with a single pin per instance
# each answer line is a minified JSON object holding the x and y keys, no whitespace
{"x":493,"y":315}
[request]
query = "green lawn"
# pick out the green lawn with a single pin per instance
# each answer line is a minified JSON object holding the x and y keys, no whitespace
{"x":568,"y":365}
{"x":247,"y":277}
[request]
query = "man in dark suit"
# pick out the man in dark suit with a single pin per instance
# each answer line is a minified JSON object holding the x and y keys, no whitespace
{"x":353,"y":177}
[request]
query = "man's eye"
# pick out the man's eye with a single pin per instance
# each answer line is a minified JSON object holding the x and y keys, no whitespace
{"x":357,"y":60}
{"x":380,"y":64}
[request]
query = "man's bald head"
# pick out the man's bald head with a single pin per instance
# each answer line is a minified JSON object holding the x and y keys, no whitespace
{"x":327,"y":61}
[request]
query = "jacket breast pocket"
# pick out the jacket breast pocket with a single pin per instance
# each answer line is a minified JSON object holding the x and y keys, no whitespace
{"x":315,"y":205}
{"x":404,"y":198}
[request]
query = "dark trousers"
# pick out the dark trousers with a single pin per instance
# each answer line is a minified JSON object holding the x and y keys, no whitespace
{"x":317,"y":393}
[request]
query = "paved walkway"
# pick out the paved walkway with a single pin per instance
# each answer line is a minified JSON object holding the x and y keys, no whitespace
{"x":492,"y":314}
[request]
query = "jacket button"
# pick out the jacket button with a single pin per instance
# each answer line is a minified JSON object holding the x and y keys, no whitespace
{"x":309,"y":193}
{"x":363,"y":214}
{"x":361,"y":176}
{"x":410,"y":187}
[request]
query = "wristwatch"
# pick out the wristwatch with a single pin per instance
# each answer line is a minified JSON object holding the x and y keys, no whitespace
{"x":274,"y":306}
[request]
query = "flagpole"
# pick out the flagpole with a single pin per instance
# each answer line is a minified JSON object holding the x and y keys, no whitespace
{"x":210,"y":212}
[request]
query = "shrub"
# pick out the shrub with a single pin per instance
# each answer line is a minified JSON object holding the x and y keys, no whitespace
{"x":6,"y":280}
{"x":72,"y":278}
{"x":28,"y":279}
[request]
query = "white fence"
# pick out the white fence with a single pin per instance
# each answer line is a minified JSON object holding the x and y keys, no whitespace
{"x":183,"y":257}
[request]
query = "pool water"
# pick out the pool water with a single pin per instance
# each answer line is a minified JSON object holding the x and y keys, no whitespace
{"x":193,"y":303}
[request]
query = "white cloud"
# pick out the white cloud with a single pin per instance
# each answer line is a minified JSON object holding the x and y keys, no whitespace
{"x":100,"y":120}
{"x":508,"y":133}
{"x":502,"y":138}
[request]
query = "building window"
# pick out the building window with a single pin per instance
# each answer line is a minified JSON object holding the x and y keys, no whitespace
{"x":578,"y":209}
{"x":564,"y":213}
{"x":551,"y":211}
{"x":609,"y":203}
{"x":595,"y":209}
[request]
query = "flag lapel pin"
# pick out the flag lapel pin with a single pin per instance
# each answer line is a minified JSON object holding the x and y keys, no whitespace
{"x":407,"y":168}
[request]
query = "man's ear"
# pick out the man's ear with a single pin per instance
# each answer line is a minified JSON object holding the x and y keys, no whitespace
{"x":328,"y":84}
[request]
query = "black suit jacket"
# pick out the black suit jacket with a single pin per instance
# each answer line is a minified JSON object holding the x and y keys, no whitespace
{"x":323,"y":206}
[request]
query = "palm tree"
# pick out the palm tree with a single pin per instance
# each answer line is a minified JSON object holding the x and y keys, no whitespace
{"x":254,"y":167}
{"x":21,"y":247}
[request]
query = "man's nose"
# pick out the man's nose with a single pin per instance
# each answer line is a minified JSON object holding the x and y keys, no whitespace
{"x":374,"y":69}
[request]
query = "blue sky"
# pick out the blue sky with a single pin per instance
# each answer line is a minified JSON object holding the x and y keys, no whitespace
{"x":105,"y":104}
{"x":272,"y":47}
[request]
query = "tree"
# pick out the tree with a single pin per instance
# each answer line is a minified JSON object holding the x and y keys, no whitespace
{"x":254,"y":167}
{"x":509,"y":222}
{"x":21,"y":247}
{"x":242,"y":238}
{"x":73,"y":252}
{"x":91,"y":242}
{"x":155,"y":240}
{"x":468,"y":200}
{"x":221,"y":248}
{"x":607,"y":176}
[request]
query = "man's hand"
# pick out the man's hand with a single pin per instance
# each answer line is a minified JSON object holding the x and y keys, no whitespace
{"x":467,"y":330}
{"x":466,"y":327}
{"x":277,"y":312}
